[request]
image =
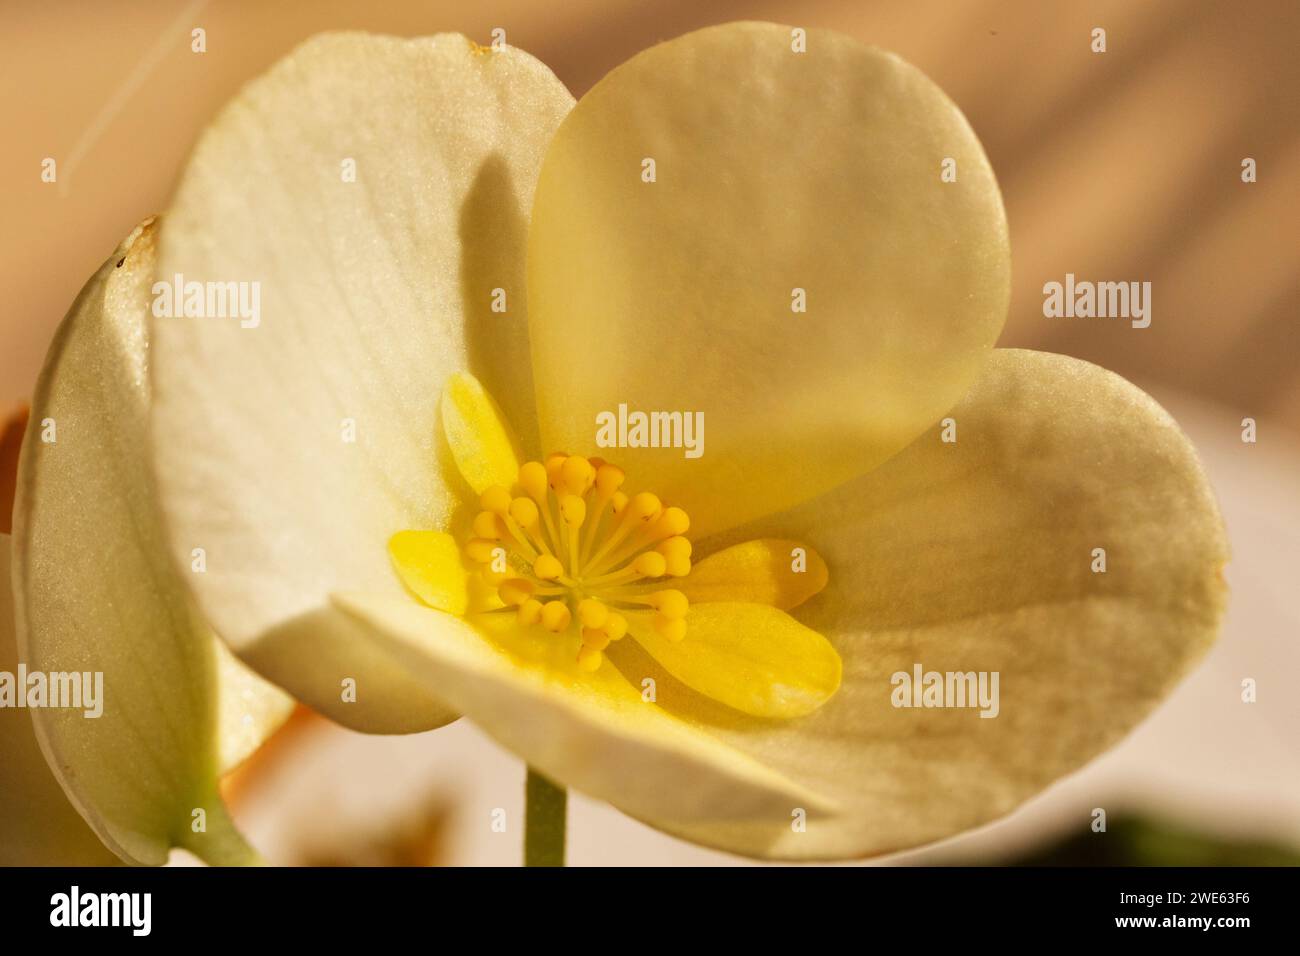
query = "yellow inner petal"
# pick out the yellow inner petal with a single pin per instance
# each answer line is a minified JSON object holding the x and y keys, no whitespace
{"x":429,"y":563}
{"x":752,"y":657}
{"x":771,"y":571}
{"x":480,"y":440}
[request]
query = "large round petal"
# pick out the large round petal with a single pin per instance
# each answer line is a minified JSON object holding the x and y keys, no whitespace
{"x":966,"y":557}
{"x":95,"y":592}
{"x":376,"y":190}
{"x":777,"y":174}
{"x":977,"y":556}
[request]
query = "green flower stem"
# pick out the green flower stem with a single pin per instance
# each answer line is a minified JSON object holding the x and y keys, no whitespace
{"x":220,"y":844}
{"x":545,"y":812}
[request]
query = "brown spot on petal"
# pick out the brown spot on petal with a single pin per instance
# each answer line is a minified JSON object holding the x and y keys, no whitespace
{"x":11,"y":440}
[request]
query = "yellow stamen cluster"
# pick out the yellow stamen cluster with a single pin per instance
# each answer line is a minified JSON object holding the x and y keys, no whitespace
{"x":567,"y":548}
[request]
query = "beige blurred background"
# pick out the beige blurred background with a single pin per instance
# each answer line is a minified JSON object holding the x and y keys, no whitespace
{"x":1119,"y":166}
{"x":1124,"y":165}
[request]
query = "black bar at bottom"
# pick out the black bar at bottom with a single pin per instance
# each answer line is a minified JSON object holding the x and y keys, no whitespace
{"x":434,"y":908}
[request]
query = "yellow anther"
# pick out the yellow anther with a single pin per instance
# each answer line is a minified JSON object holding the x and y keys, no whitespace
{"x":589,"y":658}
{"x":651,"y":564}
{"x":678,"y":566}
{"x":618,"y":503}
{"x":532,"y":478}
{"x":530,"y":612}
{"x":673,"y":547}
{"x":592,"y":613}
{"x":554,"y":462}
{"x":609,"y":478}
{"x":524,"y":511}
{"x":615,"y":626}
{"x":548,"y":567}
{"x":555,"y":616}
{"x":495,"y":499}
{"x":515,"y":591}
{"x":576,"y":475}
{"x":671,"y":629}
{"x":481,"y":550}
{"x":670,"y":603}
{"x":574,"y":510}
{"x":486,"y":526}
{"x":645,"y":506}
{"x":673,"y":521}
{"x":596,"y":638}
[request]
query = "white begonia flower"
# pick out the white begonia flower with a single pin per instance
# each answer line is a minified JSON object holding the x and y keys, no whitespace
{"x":303,"y":451}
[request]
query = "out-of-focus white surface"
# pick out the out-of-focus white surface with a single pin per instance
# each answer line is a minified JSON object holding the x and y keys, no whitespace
{"x":1204,"y":758}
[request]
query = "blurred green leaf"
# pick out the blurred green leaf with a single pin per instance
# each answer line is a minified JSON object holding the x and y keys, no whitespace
{"x":1147,"y":841}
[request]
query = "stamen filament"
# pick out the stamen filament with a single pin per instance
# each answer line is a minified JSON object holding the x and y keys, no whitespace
{"x":544,"y":506}
{"x":628,"y":573}
{"x":593,"y":522}
{"x":624,"y":528}
{"x":634,"y":545}
{"x":573,"y":550}
{"x":520,"y":538}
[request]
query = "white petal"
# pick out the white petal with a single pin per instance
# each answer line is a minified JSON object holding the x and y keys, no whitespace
{"x":372,"y":293}
{"x":95,"y":592}
{"x":776,"y":171}
{"x":978,"y":556}
{"x":597,"y":732}
{"x":38,"y":826}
